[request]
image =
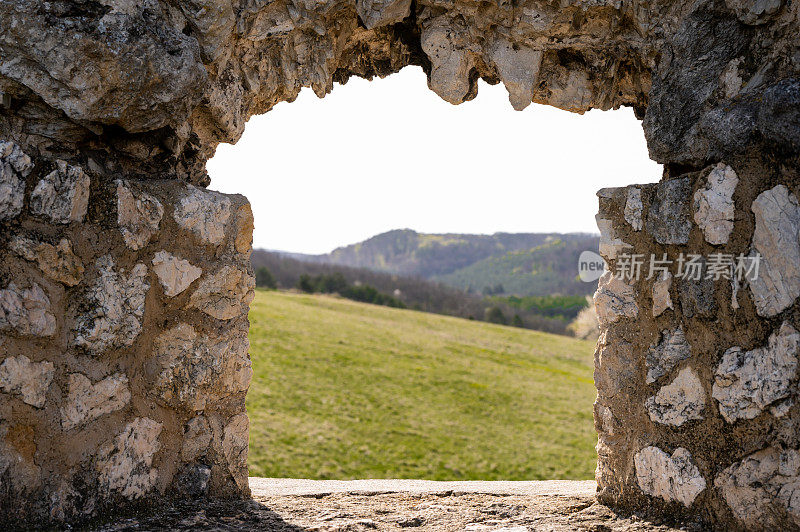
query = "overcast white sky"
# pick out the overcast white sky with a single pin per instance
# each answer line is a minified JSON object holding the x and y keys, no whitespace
{"x":390,"y":154}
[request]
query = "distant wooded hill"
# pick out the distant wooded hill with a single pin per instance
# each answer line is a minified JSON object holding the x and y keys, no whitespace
{"x":528,"y":280}
{"x":522,"y":264}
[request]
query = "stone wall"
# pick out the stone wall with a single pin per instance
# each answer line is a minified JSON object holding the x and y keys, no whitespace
{"x":123,"y":323}
{"x":124,"y":289}
{"x":697,"y":367}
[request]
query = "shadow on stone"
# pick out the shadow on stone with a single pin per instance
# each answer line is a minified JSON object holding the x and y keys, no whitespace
{"x":200,"y":514}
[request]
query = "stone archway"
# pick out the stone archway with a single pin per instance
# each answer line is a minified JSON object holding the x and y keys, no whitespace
{"x":125,"y":284}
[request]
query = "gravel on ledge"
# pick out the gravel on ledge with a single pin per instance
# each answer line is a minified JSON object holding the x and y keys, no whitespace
{"x":295,"y":505}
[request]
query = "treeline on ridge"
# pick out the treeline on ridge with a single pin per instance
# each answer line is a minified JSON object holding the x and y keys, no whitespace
{"x":275,"y":270}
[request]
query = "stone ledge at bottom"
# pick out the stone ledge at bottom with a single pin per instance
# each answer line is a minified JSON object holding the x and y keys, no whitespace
{"x":295,"y":505}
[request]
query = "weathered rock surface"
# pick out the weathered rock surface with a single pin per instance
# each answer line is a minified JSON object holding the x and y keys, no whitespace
{"x":224,"y":294}
{"x":668,"y":218}
{"x":518,"y":68}
{"x":661,"y":297}
{"x":634,"y":208}
{"x":713,"y":204}
{"x":14,"y":168}
{"x":194,"y":369}
{"x":204,"y":213}
{"x":672,"y":478}
{"x":138,"y":215}
{"x":86,"y":401}
{"x":196,"y":438}
{"x":610,"y":244}
{"x":115,"y":307}
{"x":680,"y":401}
{"x":143,"y":92}
{"x":390,"y":505}
{"x":747,"y":382}
{"x":63,"y":194}
{"x":124,"y":464}
{"x":671,"y":348}
{"x":174,"y":274}
{"x":58,"y":262}
{"x":777,"y":239}
{"x":26,"y":311}
{"x":614,"y":300}
{"x":234,"y":444}
{"x":29,"y":380}
{"x":763,"y":489}
{"x":376,"y":13}
{"x":697,"y":296}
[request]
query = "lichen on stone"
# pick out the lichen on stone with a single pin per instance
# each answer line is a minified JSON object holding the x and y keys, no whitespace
{"x":670,"y":349}
{"x":62,"y":195}
{"x":15,"y":166}
{"x":114,"y":307}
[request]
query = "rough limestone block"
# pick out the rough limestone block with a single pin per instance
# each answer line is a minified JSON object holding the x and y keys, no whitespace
{"x":680,"y":401}
{"x":614,"y":300}
{"x":763,"y":487}
{"x":174,"y":274}
{"x":671,"y":348}
{"x":205,"y":213}
{"x":697,"y":297}
{"x":224,"y":294}
{"x":244,"y":229}
{"x":610,"y":244}
{"x":57,"y":262}
{"x":713,"y":204}
{"x":668,"y":218}
{"x":777,"y":239}
{"x":63,"y":194}
{"x":450,"y":63}
{"x":26,"y":311}
{"x":194,"y":370}
{"x":113,"y":317}
{"x":86,"y":401}
{"x":634,"y":208}
{"x":747,"y":382}
{"x":672,"y":478}
{"x":234,"y":445}
{"x":14,"y":168}
{"x":376,"y":13}
{"x":661,"y":298}
{"x":196,"y":438}
{"x":124,"y":464}
{"x":754,"y":11}
{"x":518,"y":68}
{"x":29,"y":380}
{"x":138,"y":215}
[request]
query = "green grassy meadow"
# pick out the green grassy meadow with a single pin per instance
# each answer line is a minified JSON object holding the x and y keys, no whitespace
{"x":345,"y":390}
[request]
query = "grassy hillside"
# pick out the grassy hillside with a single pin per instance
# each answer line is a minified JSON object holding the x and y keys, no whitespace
{"x":348,"y":390}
